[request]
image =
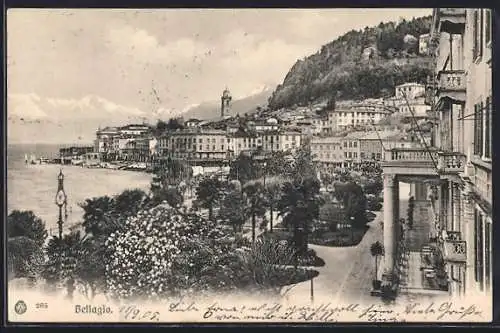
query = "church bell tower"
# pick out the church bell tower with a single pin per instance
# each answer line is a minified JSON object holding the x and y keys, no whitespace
{"x":225,"y":107}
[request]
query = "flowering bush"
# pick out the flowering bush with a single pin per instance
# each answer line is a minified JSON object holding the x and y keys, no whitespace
{"x":162,"y":251}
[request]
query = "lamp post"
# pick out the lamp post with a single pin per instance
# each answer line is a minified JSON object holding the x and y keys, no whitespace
{"x":61,"y":200}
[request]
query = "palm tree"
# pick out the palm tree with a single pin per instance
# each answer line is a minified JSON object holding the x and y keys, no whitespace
{"x":64,"y":257}
{"x":255,"y":203}
{"x":273,"y":194}
{"x":299,"y":206}
{"x":209,"y":193}
{"x":233,"y":209}
{"x":376,"y":250}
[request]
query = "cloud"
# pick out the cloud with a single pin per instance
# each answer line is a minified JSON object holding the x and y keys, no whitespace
{"x":186,"y":56}
{"x":31,"y":106}
{"x":25,"y":106}
{"x":145,"y":48}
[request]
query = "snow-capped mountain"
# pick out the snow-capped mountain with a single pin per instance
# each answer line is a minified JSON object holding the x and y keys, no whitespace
{"x":35,"y":119}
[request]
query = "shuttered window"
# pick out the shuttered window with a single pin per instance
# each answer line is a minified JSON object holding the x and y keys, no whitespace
{"x":475,"y":46}
{"x":477,"y":150}
{"x":487,"y":18}
{"x":478,"y":248}
{"x":487,"y":254}
{"x":481,"y":128}
{"x":487,"y":128}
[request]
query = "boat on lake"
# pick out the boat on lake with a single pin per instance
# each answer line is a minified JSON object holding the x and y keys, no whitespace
{"x":44,"y":160}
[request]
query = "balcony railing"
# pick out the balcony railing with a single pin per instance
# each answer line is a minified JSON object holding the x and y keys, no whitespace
{"x":452,"y":84}
{"x":452,"y":20}
{"x":452,"y":80}
{"x":411,"y":154}
{"x":455,"y":251}
{"x":453,"y":235}
{"x":449,"y":162}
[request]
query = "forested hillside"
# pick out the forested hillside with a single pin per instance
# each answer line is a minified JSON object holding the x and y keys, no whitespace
{"x":358,"y":65}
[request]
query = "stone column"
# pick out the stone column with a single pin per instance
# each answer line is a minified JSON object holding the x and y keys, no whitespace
{"x":413,"y":190}
{"x":469,"y":236}
{"x":420,"y":192}
{"x":390,"y":224}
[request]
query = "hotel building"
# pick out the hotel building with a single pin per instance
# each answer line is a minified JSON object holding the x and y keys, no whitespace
{"x":457,"y":170}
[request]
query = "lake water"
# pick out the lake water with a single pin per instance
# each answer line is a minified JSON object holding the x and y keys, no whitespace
{"x":33,"y":187}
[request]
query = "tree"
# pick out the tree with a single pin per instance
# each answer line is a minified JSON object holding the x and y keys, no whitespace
{"x":233,"y":209}
{"x":265,"y":262}
{"x":160,"y":127}
{"x":209,"y":193}
{"x":332,"y":214}
{"x":354,"y":202}
{"x":174,"y":197}
{"x":65,"y":261}
{"x":278,"y":163}
{"x":24,"y":258}
{"x":272,"y":197}
{"x":175,"y":123}
{"x":374,"y":186}
{"x":26,"y":223}
{"x":376,"y":250}
{"x":170,"y":173}
{"x":244,"y":168}
{"x":303,"y":166}
{"x":129,"y":202}
{"x":255,"y":203}
{"x":98,"y":215}
{"x":299,"y":206}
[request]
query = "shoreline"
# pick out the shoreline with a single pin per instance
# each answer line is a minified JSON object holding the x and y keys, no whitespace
{"x":33,"y":188}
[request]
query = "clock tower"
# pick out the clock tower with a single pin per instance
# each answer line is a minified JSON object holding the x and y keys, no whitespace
{"x":225,"y":107}
{"x":61,"y":201}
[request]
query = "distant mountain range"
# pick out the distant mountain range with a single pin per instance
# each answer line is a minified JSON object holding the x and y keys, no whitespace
{"x":33,"y":119}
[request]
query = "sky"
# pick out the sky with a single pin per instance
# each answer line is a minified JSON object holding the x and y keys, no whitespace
{"x":147,"y":61}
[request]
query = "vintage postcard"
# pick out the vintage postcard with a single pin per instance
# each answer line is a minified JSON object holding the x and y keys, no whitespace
{"x":249,"y":165}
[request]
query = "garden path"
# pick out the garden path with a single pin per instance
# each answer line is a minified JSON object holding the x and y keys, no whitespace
{"x":348,"y":272}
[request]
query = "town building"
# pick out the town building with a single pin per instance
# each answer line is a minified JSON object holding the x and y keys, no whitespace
{"x":69,"y":154}
{"x":261,"y":125}
{"x":136,"y":150}
{"x":325,"y":124}
{"x":410,"y":90}
{"x":327,"y":151}
{"x":243,"y":141}
{"x":423,"y":44}
{"x":347,"y":118}
{"x":192,"y":123}
{"x":104,"y":142}
{"x":134,"y":130}
{"x":350,"y":147}
{"x":456,"y":170}
{"x":194,"y":145}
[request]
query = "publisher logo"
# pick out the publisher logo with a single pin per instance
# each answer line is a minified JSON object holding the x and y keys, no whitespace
{"x":20,"y":307}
